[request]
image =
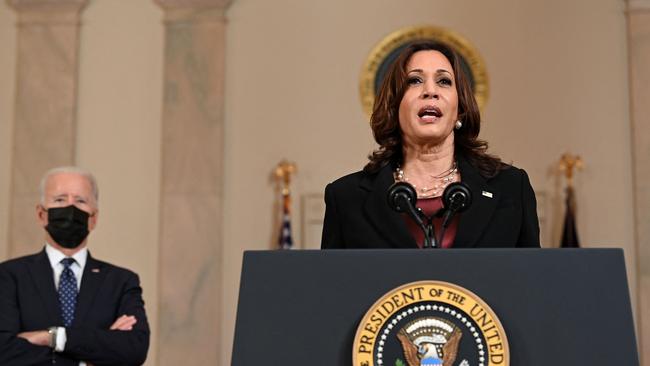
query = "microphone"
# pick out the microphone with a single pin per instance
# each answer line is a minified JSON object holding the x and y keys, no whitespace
{"x":402,"y":198}
{"x":457,"y":197}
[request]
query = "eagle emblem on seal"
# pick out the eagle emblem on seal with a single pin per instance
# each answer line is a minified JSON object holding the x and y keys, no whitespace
{"x":430,"y":341}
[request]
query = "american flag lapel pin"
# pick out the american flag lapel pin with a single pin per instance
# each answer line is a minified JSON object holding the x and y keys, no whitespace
{"x":95,"y":270}
{"x":487,"y":194}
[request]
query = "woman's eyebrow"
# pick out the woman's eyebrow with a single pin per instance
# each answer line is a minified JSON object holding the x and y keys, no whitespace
{"x":437,"y":71}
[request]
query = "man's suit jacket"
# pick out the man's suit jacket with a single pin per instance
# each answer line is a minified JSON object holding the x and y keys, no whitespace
{"x":503,"y":212}
{"x":29,"y":302}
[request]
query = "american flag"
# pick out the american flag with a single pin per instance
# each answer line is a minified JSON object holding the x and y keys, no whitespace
{"x":569,"y":232}
{"x":286,"y":241}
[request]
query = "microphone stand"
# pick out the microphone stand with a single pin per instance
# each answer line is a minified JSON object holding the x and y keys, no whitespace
{"x":425,"y":223}
{"x":429,"y":229}
{"x":456,"y":197}
{"x":429,"y":232}
{"x":402,"y":198}
{"x":448,"y":212}
{"x":445,"y":224}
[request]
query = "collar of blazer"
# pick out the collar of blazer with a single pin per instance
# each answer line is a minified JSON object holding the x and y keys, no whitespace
{"x":474,"y":221}
{"x":43,"y":277}
{"x":391,"y":225}
{"x":94,"y":275}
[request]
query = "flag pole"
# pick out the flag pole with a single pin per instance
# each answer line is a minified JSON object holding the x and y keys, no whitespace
{"x":283,"y":172}
{"x":569,"y":164}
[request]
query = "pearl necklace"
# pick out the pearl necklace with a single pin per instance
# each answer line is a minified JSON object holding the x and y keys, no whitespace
{"x":440,"y":182}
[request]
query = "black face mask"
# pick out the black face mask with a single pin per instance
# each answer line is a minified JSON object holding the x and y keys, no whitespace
{"x":68,"y":226}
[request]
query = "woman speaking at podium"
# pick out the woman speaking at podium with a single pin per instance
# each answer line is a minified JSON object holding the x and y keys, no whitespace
{"x":426,"y":122}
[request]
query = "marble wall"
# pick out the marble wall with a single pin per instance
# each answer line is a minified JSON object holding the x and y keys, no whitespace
{"x":116,"y":134}
{"x":44,"y":129}
{"x":7,"y":86}
{"x":119,"y":136}
{"x":191,"y":202}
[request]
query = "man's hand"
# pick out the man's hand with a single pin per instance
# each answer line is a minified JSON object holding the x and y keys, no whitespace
{"x":125,"y":322}
{"x":38,"y":337}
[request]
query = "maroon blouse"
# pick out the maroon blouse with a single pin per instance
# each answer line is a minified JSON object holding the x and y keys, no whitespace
{"x":430,"y":206}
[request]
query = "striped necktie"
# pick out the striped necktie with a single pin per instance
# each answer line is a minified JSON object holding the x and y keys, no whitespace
{"x":67,"y":292}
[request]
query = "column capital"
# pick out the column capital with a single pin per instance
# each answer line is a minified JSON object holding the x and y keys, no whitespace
{"x":638,"y":5}
{"x":48,"y":11}
{"x":194,"y":11}
{"x":193,"y":4}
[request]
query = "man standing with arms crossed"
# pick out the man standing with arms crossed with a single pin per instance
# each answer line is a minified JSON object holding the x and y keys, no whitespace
{"x":61,"y":305}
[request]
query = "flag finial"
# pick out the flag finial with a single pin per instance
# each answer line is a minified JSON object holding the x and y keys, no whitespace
{"x":567,"y":164}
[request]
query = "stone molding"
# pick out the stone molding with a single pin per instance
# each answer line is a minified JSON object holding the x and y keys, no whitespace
{"x":194,"y":16}
{"x":638,"y":5}
{"x":194,"y":11}
{"x":48,"y":11}
{"x":193,"y":4}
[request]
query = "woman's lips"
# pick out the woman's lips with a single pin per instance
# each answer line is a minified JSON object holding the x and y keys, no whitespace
{"x":429,"y":113}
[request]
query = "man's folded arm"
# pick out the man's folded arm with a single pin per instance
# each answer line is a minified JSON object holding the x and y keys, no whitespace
{"x":107,"y":347}
{"x":15,"y":350}
{"x":114,"y":347}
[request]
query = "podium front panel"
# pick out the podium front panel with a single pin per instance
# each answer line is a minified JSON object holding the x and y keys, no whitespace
{"x":558,"y":306}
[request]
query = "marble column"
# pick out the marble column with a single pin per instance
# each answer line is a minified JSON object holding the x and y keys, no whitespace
{"x":192,"y":171}
{"x":45,"y":110}
{"x":639,"y":61}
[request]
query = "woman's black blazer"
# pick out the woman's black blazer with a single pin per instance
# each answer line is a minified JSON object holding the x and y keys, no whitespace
{"x":503,"y":213}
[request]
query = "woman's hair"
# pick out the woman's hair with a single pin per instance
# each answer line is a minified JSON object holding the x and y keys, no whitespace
{"x":385,"y":115}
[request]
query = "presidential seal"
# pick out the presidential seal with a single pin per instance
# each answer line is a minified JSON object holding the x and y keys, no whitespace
{"x":430,"y":323}
{"x":387,"y":50}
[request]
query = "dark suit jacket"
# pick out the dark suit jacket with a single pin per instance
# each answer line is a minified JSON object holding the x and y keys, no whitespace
{"x":29,"y":302}
{"x":358,"y":216}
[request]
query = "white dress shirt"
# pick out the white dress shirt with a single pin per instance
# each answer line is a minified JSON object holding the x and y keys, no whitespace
{"x":55,"y":256}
